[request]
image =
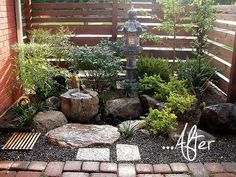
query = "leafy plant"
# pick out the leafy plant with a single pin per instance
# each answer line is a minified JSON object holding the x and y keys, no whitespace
{"x":128,"y":130}
{"x":101,"y":64}
{"x":39,"y":107}
{"x":115,"y":46}
{"x":159,"y":122}
{"x":127,"y":89}
{"x":180,"y":103}
{"x":59,"y":41}
{"x":203,"y":18}
{"x":174,"y":86}
{"x":197,"y":76}
{"x":23,"y":116}
{"x":150,"y":84}
{"x":33,"y":70}
{"x":153,"y":66}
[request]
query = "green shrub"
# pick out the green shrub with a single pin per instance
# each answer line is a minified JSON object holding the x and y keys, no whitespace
{"x":59,"y":41}
{"x":150,"y":84}
{"x":153,"y":66}
{"x":179,"y":103}
{"x":33,"y":70}
{"x":197,"y":73}
{"x":159,"y":122}
{"x":174,"y":86}
{"x":115,"y":46}
{"x":102,"y":65}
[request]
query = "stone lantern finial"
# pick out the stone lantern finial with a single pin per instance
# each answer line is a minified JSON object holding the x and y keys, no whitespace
{"x":132,"y":14}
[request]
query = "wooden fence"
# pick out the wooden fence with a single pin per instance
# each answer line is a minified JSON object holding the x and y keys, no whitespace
{"x":92,"y":22}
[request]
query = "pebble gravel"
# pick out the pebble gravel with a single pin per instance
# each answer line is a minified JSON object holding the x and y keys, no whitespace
{"x":223,"y":150}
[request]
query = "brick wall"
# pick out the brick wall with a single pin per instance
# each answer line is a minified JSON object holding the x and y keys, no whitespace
{"x":8,"y":92}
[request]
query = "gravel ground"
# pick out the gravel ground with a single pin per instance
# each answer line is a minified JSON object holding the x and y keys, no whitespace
{"x":223,"y":150}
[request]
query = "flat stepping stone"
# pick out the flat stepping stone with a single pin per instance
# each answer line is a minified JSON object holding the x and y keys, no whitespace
{"x":83,"y":135}
{"x":126,"y":152}
{"x":93,"y":154}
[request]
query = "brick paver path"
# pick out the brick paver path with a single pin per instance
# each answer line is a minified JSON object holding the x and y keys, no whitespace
{"x":107,"y":169}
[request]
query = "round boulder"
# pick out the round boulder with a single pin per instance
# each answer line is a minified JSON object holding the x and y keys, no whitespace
{"x":220,"y":118}
{"x":80,"y":106}
{"x":49,"y":120}
{"x":124,"y":108}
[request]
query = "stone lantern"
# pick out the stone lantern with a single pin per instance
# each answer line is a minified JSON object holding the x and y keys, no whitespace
{"x":132,"y":30}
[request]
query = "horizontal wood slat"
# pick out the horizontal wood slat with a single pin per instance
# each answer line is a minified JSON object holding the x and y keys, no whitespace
{"x":228,"y":17}
{"x":225,"y":70}
{"x":227,"y":26}
{"x":79,"y":29}
{"x":223,"y":85}
{"x":226,"y":8}
{"x":180,"y":43}
{"x":74,"y":19}
{"x":89,"y":41}
{"x":221,"y":52}
{"x":71,"y":5}
{"x":70,"y":12}
{"x":168,"y":54}
{"x":222,"y":37}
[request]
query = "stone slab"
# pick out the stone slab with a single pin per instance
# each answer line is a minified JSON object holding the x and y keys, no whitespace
{"x":127,"y":152}
{"x":83,"y":135}
{"x":93,"y":154}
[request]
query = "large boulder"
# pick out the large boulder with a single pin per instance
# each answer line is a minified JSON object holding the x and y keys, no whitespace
{"x":83,"y":135}
{"x":220,"y":118}
{"x":124,"y":108}
{"x":49,"y":120}
{"x":80,"y":106}
{"x":149,"y":102}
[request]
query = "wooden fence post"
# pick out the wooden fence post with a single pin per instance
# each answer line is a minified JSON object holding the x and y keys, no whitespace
{"x":28,"y":17}
{"x":232,"y":82}
{"x":114,"y":19}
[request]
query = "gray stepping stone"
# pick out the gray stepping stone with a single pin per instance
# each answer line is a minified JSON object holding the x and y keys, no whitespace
{"x":127,"y":152}
{"x":93,"y":154}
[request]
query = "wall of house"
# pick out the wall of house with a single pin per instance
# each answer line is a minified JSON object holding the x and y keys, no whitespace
{"x":9,"y":93}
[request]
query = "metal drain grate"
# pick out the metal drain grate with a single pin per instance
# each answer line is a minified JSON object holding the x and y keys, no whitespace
{"x":21,"y":141}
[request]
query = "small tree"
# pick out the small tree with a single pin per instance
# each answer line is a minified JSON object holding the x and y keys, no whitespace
{"x":173,"y":15}
{"x":203,"y":18}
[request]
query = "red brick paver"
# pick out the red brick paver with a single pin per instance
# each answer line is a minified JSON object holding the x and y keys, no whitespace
{"x":179,"y":167}
{"x":198,"y":170}
{"x":161,"y":168}
{"x":29,"y":174}
{"x":150,"y":175}
{"x":54,"y":169}
{"x":144,"y":168}
{"x":7,"y":173}
{"x":224,"y":175}
{"x":229,"y":167}
{"x":126,"y":170}
{"x":214,"y":167}
{"x":5,"y":165}
{"x":177,"y":175}
{"x":103,"y":175}
{"x":75,"y":174}
{"x":108,"y":167}
{"x":90,"y":166}
{"x":20,"y":165}
{"x":37,"y":166}
{"x":73,"y":166}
